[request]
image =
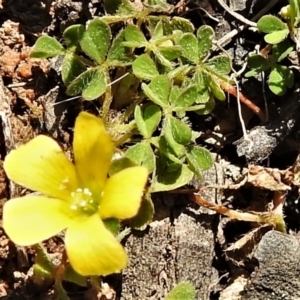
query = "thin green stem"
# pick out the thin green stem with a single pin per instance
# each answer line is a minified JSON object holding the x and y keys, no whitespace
{"x":127,"y":135}
{"x":107,"y":99}
{"x":130,"y":109}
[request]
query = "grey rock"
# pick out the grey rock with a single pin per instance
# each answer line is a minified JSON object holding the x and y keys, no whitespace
{"x":278,"y":275}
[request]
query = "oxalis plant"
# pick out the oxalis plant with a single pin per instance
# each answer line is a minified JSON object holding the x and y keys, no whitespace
{"x":277,"y":32}
{"x":158,"y":71}
{"x":167,"y":73}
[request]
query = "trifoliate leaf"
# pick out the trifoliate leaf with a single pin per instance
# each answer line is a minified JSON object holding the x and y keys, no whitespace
{"x":91,"y":83}
{"x":72,"y":36}
{"x":134,"y":34}
{"x":220,"y":64}
{"x":182,"y":24}
{"x":181,"y":133}
{"x":158,"y":90}
{"x":183,"y":291}
{"x":280,"y":78}
{"x":167,"y":181}
{"x":148,"y":120}
{"x":47,"y":46}
{"x":95,"y":40}
{"x":118,"y":53}
{"x":205,"y":36}
{"x":258,"y":63}
{"x":199,"y":159}
{"x":71,"y":68}
{"x":142,"y":154}
{"x":189,"y":46}
{"x":144,"y":67}
{"x":187,"y":97}
{"x":269,"y":24}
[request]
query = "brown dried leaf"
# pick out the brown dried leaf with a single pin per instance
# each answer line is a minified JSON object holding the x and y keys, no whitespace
{"x":270,"y":179}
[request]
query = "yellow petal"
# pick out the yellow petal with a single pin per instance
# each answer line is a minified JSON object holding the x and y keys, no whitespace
{"x":41,"y":165}
{"x":93,"y":150}
{"x":32,"y":219}
{"x":122,"y":193}
{"x":92,"y":249}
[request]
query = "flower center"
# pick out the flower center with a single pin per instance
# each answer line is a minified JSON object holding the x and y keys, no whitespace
{"x":83,"y":202}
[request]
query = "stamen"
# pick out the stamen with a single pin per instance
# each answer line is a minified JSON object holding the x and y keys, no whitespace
{"x":83,"y":201}
{"x":73,"y":207}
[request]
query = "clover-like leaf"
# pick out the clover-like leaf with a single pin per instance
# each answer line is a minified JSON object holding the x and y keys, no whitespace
{"x":95,"y":40}
{"x":72,"y":36}
{"x":258,"y":64}
{"x":148,"y":120}
{"x":133,"y":34}
{"x":142,"y":154}
{"x":183,"y":291}
{"x":144,"y":67}
{"x":189,"y":46}
{"x":46,"y":46}
{"x":276,"y":36}
{"x":205,"y":36}
{"x":269,"y":24}
{"x":221,"y":64}
{"x":158,"y":90}
{"x":280,"y":78}
{"x":182,"y":24}
{"x":169,"y":148}
{"x":186,"y":97}
{"x":181,"y":133}
{"x":199,"y":159}
{"x":118,"y":53}
{"x":91,"y":83}
{"x":167,"y":181}
{"x":72,"y":67}
{"x":200,"y":79}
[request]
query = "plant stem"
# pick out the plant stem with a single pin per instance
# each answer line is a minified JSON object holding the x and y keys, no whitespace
{"x":127,"y":135}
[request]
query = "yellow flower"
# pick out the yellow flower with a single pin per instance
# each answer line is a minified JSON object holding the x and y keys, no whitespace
{"x":75,"y":197}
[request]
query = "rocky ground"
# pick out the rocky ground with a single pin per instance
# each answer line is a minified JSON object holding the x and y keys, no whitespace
{"x":223,"y":256}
